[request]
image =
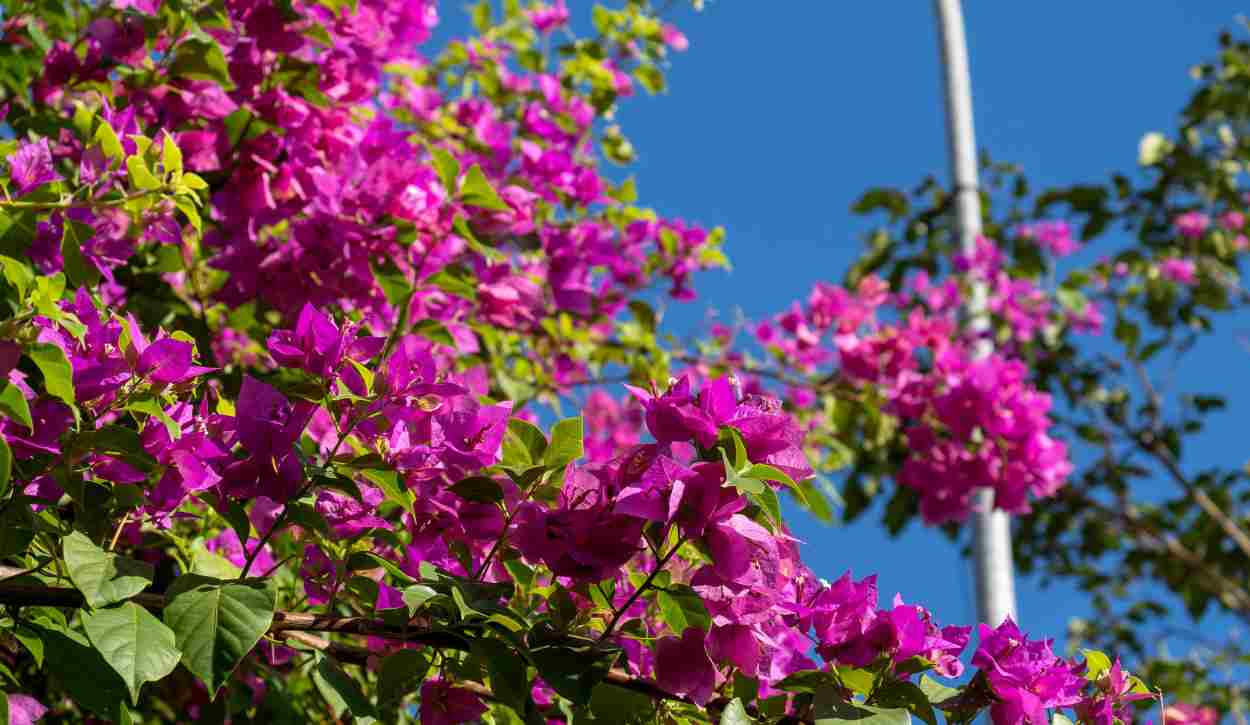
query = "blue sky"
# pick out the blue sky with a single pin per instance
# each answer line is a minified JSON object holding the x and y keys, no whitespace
{"x":782,"y":113}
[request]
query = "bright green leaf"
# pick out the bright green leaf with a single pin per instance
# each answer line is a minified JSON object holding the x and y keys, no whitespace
{"x":477,"y":191}
{"x":523,"y":444}
{"x":171,"y":155}
{"x":58,"y":376}
{"x":13,"y":404}
{"x":140,"y":175}
{"x":735,"y":714}
{"x":103,"y":577}
{"x":567,"y":443}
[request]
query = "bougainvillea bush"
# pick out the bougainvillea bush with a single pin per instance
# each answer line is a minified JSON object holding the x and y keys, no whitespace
{"x":315,"y":341}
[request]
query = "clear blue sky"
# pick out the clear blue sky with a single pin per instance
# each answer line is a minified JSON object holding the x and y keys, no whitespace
{"x":782,"y":113}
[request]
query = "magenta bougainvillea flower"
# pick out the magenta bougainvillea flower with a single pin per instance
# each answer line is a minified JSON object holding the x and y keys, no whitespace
{"x":30,"y":167}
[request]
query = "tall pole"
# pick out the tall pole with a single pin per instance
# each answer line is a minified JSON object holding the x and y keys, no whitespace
{"x":991,"y":528}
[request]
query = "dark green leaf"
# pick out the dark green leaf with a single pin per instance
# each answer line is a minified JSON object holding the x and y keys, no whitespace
{"x":81,"y":670}
{"x":217,"y":623}
{"x":394,"y":285}
{"x":508,"y":678}
{"x":905,"y":694}
{"x":341,"y":691}
{"x":79,"y":271}
{"x":434,"y":330}
{"x":831,"y":710}
{"x":573,"y":672}
{"x":481,"y":489}
{"x":402,"y":672}
{"x":201,"y":60}
{"x":134,"y":643}
{"x":360,"y":560}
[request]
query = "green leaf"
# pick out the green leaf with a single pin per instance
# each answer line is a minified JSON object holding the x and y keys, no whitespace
{"x":857,"y":679}
{"x":360,"y":560}
{"x":134,"y":643}
{"x":612,"y":704}
{"x":171,"y":155}
{"x":936,"y":691}
{"x":79,"y":271}
{"x":152,"y":407}
{"x":905,"y":694}
{"x":109,"y":143}
{"x":744,"y":484}
{"x":573,"y":672}
{"x":455,"y":280}
{"x":769,"y":503}
{"x":477,"y":191}
{"x":58,"y":376}
{"x":217,"y":623}
{"x":401,"y":674}
{"x":735,"y":714}
{"x":388,"y":481}
{"x":394,"y":285}
{"x":6,"y":466}
{"x":342,"y":692}
{"x":831,"y":710}
{"x":1096,"y":663}
{"x":417,"y":595}
{"x":765,"y":472}
{"x":567,"y":438}
{"x":434,"y":330}
{"x":807,"y":681}
{"x":102,"y":577}
{"x":681,"y":607}
{"x":447,"y":167}
{"x":508,"y":678}
{"x":13,"y":404}
{"x":480,"y":489}
{"x":1060,"y":719}
{"x":18,"y":274}
{"x":523,"y":444}
{"x":202,"y":60}
{"x":31,"y":641}
{"x":81,"y":670}
{"x":140,"y":175}
{"x":211,"y":564}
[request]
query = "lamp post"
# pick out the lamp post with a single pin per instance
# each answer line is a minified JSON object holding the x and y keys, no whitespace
{"x":991,"y":528}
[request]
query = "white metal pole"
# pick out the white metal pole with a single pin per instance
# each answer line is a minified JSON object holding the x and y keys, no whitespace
{"x":991,"y":529}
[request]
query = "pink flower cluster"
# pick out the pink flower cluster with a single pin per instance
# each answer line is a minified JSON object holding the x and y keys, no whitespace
{"x":971,"y":422}
{"x":309,"y":197}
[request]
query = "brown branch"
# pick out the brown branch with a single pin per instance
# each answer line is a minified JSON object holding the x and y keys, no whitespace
{"x":1229,"y":592}
{"x":296,"y":626}
{"x":1155,"y":447}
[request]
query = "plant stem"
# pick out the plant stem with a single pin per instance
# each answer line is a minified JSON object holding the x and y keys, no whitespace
{"x":659,"y":566}
{"x":282,"y":517}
